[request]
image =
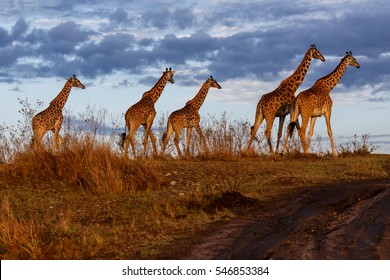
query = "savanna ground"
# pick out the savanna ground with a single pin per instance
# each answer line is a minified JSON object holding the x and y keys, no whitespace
{"x":88,"y":202}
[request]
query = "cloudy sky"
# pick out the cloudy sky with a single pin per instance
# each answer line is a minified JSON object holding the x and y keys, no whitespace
{"x":119,"y":48}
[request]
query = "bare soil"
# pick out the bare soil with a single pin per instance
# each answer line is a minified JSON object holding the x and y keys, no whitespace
{"x":341,"y":221}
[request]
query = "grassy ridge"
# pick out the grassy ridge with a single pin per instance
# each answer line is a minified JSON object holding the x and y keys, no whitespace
{"x":90,"y":203}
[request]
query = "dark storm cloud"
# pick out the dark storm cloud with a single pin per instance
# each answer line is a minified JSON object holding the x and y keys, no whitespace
{"x":264,"y":52}
{"x":179,"y":18}
{"x":64,"y":38}
{"x":9,"y":55}
{"x":199,"y":46}
{"x":19,"y":29}
{"x":252,"y":53}
{"x":50,"y":46}
{"x":183,"y":18}
{"x":273,"y":38}
{"x":110,"y":44}
{"x":252,"y":12}
{"x":92,"y":58}
{"x":119,"y":16}
{"x":113,"y":52}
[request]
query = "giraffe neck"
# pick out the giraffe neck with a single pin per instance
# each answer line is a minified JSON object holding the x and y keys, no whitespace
{"x":158,"y":88}
{"x":332,"y":79}
{"x":296,"y":79}
{"x":199,"y":98}
{"x":62,"y":97}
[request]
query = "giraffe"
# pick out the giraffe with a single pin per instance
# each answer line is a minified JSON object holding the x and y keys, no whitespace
{"x":188,"y":117}
{"x":316,"y":102}
{"x":143,"y":113}
{"x":51,"y":118}
{"x":277,"y":103}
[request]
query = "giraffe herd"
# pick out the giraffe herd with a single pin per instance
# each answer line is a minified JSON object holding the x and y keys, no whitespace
{"x":310,"y":104}
{"x":315,"y":102}
{"x":278,"y":102}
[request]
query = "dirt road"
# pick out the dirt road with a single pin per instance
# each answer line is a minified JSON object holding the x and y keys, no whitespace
{"x":346,"y":221}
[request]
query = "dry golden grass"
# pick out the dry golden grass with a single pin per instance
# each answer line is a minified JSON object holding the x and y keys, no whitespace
{"x":89,"y":203}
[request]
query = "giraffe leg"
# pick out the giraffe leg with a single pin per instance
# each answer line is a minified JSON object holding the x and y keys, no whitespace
{"x":199,"y":131}
{"x":267,"y":133}
{"x":55,"y":139}
{"x":327,"y":118}
{"x":286,"y":140}
{"x":302,"y":133}
{"x":130,"y":140}
{"x":294,"y":113}
{"x":281,"y":122}
{"x":127,"y":138}
{"x":53,"y":148}
{"x":189,"y":131}
{"x":311,"y":130}
{"x":145,"y":142}
{"x":258,"y":120}
{"x":126,"y":141}
{"x":153,"y":142}
{"x":148,"y":127}
{"x":60,"y":141}
{"x":126,"y":146}
{"x":176,"y":140}
{"x":38,"y":140}
{"x":166,"y":137}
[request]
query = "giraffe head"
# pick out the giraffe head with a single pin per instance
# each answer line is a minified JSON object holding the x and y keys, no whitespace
{"x":213,"y":83}
{"x":169,"y":73}
{"x":315,"y":53}
{"x":74,"y":82}
{"x":351,"y":60}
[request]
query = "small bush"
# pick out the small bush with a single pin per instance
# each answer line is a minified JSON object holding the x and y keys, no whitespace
{"x":357,"y":147}
{"x":86,"y":166}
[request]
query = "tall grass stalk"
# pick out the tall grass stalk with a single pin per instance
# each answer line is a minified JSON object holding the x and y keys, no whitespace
{"x":96,"y":128}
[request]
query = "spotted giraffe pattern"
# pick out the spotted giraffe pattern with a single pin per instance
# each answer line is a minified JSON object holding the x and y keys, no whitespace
{"x":316,"y":102}
{"x":51,"y":118}
{"x":143,"y":113}
{"x":278,"y":102}
{"x":188,"y":117}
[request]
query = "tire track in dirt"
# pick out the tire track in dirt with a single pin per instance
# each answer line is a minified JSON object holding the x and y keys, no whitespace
{"x":344,"y":221}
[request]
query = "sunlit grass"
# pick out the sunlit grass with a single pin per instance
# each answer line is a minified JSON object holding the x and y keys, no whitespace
{"x":89,"y":202}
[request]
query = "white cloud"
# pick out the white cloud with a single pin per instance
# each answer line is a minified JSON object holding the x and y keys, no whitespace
{"x":248,"y":90}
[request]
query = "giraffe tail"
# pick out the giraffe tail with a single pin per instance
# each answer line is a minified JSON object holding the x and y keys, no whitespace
{"x":122,"y":140}
{"x":294,"y":117}
{"x":291,"y":127}
{"x":163,"y":136}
